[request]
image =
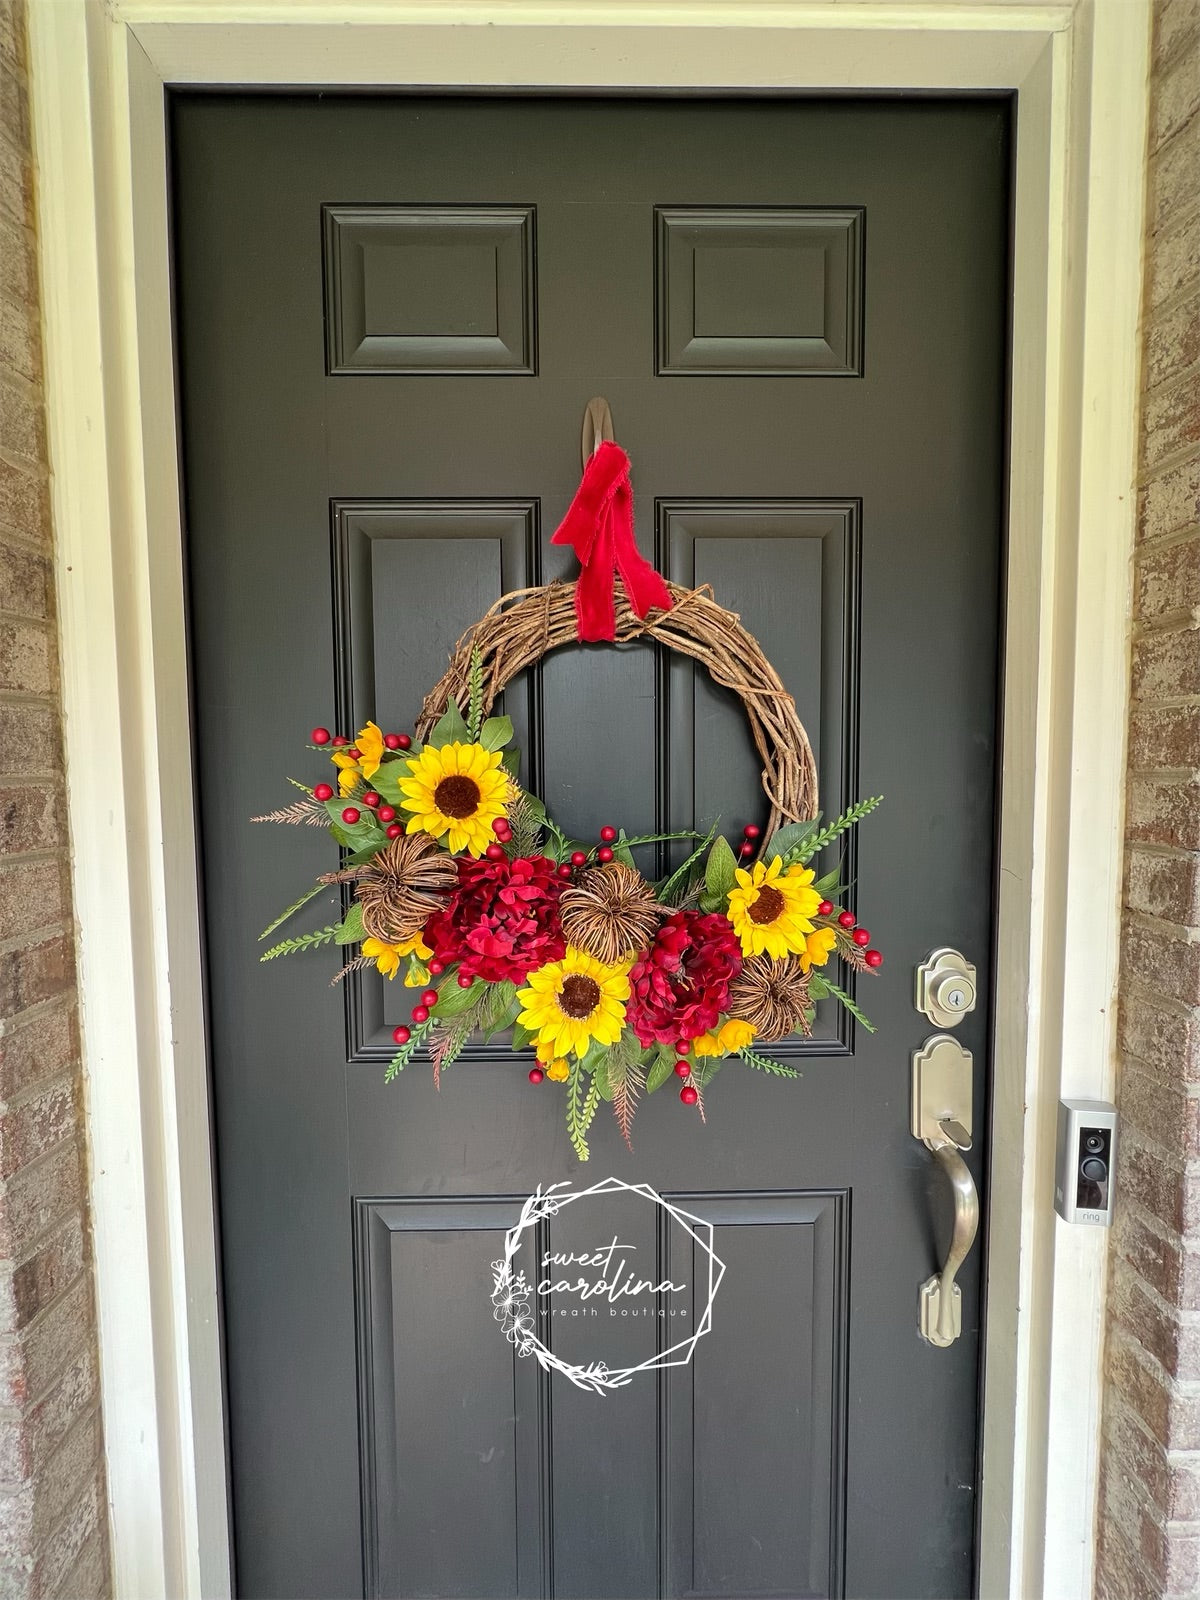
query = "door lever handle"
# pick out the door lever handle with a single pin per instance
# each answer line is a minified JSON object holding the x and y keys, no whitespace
{"x":941,"y":1119}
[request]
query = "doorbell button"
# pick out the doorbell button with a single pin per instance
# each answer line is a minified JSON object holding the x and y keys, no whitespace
{"x":946,"y":988}
{"x":1084,"y":1168}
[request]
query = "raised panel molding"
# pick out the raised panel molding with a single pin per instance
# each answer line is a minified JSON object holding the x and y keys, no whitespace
{"x":429,"y":289}
{"x":391,"y":647}
{"x":747,"y":549}
{"x":770,"y":290}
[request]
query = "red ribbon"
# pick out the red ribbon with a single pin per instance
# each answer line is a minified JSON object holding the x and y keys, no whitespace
{"x":599,"y":524}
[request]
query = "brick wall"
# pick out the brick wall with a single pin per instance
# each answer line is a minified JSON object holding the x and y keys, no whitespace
{"x":1150,"y":1472}
{"x":53,"y":1516}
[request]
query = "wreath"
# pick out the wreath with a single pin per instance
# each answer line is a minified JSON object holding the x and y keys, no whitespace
{"x":461,"y":883}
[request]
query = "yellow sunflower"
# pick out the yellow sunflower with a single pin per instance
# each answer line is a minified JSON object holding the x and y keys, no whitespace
{"x":818,"y":948}
{"x":387,"y":957}
{"x":568,"y":1003}
{"x":457,"y":789}
{"x":369,"y":745}
{"x":730,"y":1036}
{"x":771,"y":908}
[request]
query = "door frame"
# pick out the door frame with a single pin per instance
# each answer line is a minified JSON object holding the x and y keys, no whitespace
{"x":1080,"y":74}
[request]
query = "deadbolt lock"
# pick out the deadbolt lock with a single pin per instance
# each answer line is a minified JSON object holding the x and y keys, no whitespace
{"x":946,"y":988}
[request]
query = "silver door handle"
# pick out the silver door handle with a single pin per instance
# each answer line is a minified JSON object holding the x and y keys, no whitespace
{"x":940,"y":1299}
{"x":941,"y":1119}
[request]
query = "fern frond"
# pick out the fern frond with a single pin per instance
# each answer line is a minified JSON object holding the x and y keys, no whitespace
{"x":359,"y":964}
{"x":309,"y":894}
{"x":406,"y":1051}
{"x":580,"y":1112}
{"x":840,"y":994}
{"x":679,"y":877}
{"x":448,"y":1044}
{"x":526,"y":828}
{"x":766,"y":1064}
{"x":628,"y":1080}
{"x":305,"y":941}
{"x":817,"y":841}
{"x":310,"y":813}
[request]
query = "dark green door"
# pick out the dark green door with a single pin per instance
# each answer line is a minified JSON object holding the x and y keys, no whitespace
{"x":391,"y":314}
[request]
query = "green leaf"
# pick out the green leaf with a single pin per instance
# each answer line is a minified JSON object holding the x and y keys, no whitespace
{"x":603,"y":1080}
{"x":521,"y":1036}
{"x":495,"y":733}
{"x":680,"y":876}
{"x":581,"y":1109}
{"x":350,"y":929}
{"x":828,"y":885}
{"x":303,"y":941}
{"x":841,"y":995}
{"x":662,"y":1067}
{"x":817,"y":841}
{"x":450,"y":728}
{"x":766,"y":1064}
{"x":453,"y":1000}
{"x":498,"y":1008}
{"x":406,"y":1051}
{"x":511,"y":761}
{"x":387,"y":782}
{"x":621,"y":850}
{"x":354,"y":835}
{"x":309,"y":894}
{"x":719,"y":872}
{"x":790,"y":837}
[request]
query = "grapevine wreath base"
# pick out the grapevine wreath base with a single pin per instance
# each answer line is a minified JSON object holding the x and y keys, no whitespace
{"x":461,"y":883}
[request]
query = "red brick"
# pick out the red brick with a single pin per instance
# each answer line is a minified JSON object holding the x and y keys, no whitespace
{"x":36,"y":1508}
{"x":29,"y":738}
{"x":1158,"y":1257}
{"x":25,"y":586}
{"x":1165,"y":665}
{"x":35,"y":973}
{"x":57,"y":1554}
{"x":1164,"y":1112}
{"x":1169,"y":965}
{"x":1120,"y":1574}
{"x":1166,"y":1037}
{"x":32,"y":1126}
{"x":1170,"y":500}
{"x":1171,"y":1411}
{"x":12,"y":14}
{"x":1136,"y":1456}
{"x":20,"y":340}
{"x":1172,"y":341}
{"x":1175,"y":177}
{"x":24,"y":500}
{"x":18,"y":262}
{"x":16,"y":183}
{"x":32,"y":817}
{"x":1160,"y":883}
{"x":1163,"y":738}
{"x":31,"y":1360}
{"x":1171,"y":418}
{"x":1176,"y":97}
{"x":35,"y":1282}
{"x":28,"y":1441}
{"x":44,"y":1046}
{"x":1174,"y":262}
{"x":33,"y":895}
{"x":1160,"y":811}
{"x":27,"y":659}
{"x":1176,"y":33}
{"x":89,"y":1576}
{"x":1167,"y":581}
{"x":36,"y":1197}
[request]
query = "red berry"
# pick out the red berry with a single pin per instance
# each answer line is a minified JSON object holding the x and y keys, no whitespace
{"x":578,"y":857}
{"x":430,"y":997}
{"x":500,"y":825}
{"x":746,"y":848}
{"x":354,"y":754}
{"x":683,"y":1069}
{"x":536,"y":1074}
{"x":371,"y":799}
{"x":401,"y":1034}
{"x":463,"y":981}
{"x":604,"y":853}
{"x":688,"y":1095}
{"x":420,"y":1013}
{"x":874,"y":958}
{"x":323,"y":791}
{"x":437,"y":966}
{"x":752,"y":830}
{"x":339,"y":739}
{"x":320,"y":736}
{"x":846,"y":920}
{"x":351,"y":815}
{"x":825,"y":908}
{"x":494,"y":852}
{"x":387,"y":813}
{"x":404,"y":741}
{"x":683,"y":1046}
{"x":861,"y":936}
{"x":564,"y":871}
{"x":393,"y":830}
{"x":391,"y":741}
{"x":608,"y":835}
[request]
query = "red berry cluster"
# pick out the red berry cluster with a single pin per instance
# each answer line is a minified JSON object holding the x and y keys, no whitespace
{"x":860,"y":936}
{"x":503,"y":832}
{"x":750,"y":836}
{"x":392,"y":741}
{"x":689,"y":1094}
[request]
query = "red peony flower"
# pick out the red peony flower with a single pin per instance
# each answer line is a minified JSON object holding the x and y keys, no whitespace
{"x":502,"y":920}
{"x":680,"y":985}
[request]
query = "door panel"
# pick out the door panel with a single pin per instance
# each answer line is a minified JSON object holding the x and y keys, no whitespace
{"x":391,"y":314}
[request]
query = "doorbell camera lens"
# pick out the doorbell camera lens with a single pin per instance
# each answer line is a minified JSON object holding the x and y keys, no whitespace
{"x":1094,"y":1170}
{"x":1094,"y":1143}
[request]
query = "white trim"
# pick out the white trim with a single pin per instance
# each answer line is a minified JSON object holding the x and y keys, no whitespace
{"x":1081,"y":76}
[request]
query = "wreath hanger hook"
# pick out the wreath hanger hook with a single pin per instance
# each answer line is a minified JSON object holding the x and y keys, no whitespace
{"x":597,"y":426}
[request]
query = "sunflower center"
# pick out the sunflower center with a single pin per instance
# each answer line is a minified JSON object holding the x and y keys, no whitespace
{"x":456,"y":796}
{"x":579,"y":996}
{"x":767,"y":906}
